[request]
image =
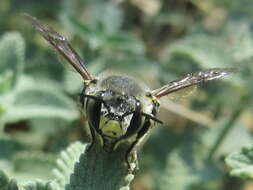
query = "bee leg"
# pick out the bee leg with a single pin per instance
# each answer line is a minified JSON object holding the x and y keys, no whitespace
{"x":131,"y":155}
{"x":93,"y":139}
{"x":132,"y":150}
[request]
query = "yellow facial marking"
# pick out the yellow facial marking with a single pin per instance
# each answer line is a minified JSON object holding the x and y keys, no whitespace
{"x":110,"y":128}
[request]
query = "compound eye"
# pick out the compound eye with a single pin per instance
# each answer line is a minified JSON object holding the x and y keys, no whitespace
{"x":93,"y":110}
{"x":136,"y":121}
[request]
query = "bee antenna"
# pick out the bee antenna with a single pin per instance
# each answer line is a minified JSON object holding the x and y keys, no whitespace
{"x":146,"y":115}
{"x":93,"y":97}
{"x":151,"y":117}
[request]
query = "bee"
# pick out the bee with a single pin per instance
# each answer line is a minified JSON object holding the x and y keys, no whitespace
{"x":118,"y":108}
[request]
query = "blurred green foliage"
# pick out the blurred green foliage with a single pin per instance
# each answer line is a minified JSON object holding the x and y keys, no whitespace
{"x":241,"y":162}
{"x":156,"y":40}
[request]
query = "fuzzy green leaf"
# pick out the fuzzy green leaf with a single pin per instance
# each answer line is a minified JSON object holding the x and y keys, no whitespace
{"x":241,"y":163}
{"x":97,"y":165}
{"x":12,"y":185}
{"x":12,"y":52}
{"x":96,"y":169}
{"x":66,"y":162}
{"x":7,"y":184}
{"x":34,"y":164}
{"x":205,"y":50}
{"x":33,"y":101}
{"x":36,"y":185}
{"x":4,"y":180}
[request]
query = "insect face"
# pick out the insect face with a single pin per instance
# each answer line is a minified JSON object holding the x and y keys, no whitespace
{"x":111,"y":113}
{"x":116,"y":107}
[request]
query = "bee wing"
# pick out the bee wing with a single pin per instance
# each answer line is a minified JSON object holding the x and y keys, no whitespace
{"x":62,"y":45}
{"x":192,"y":79}
{"x":187,"y":91}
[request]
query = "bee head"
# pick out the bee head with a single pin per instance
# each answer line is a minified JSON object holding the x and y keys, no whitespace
{"x":114,"y":115}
